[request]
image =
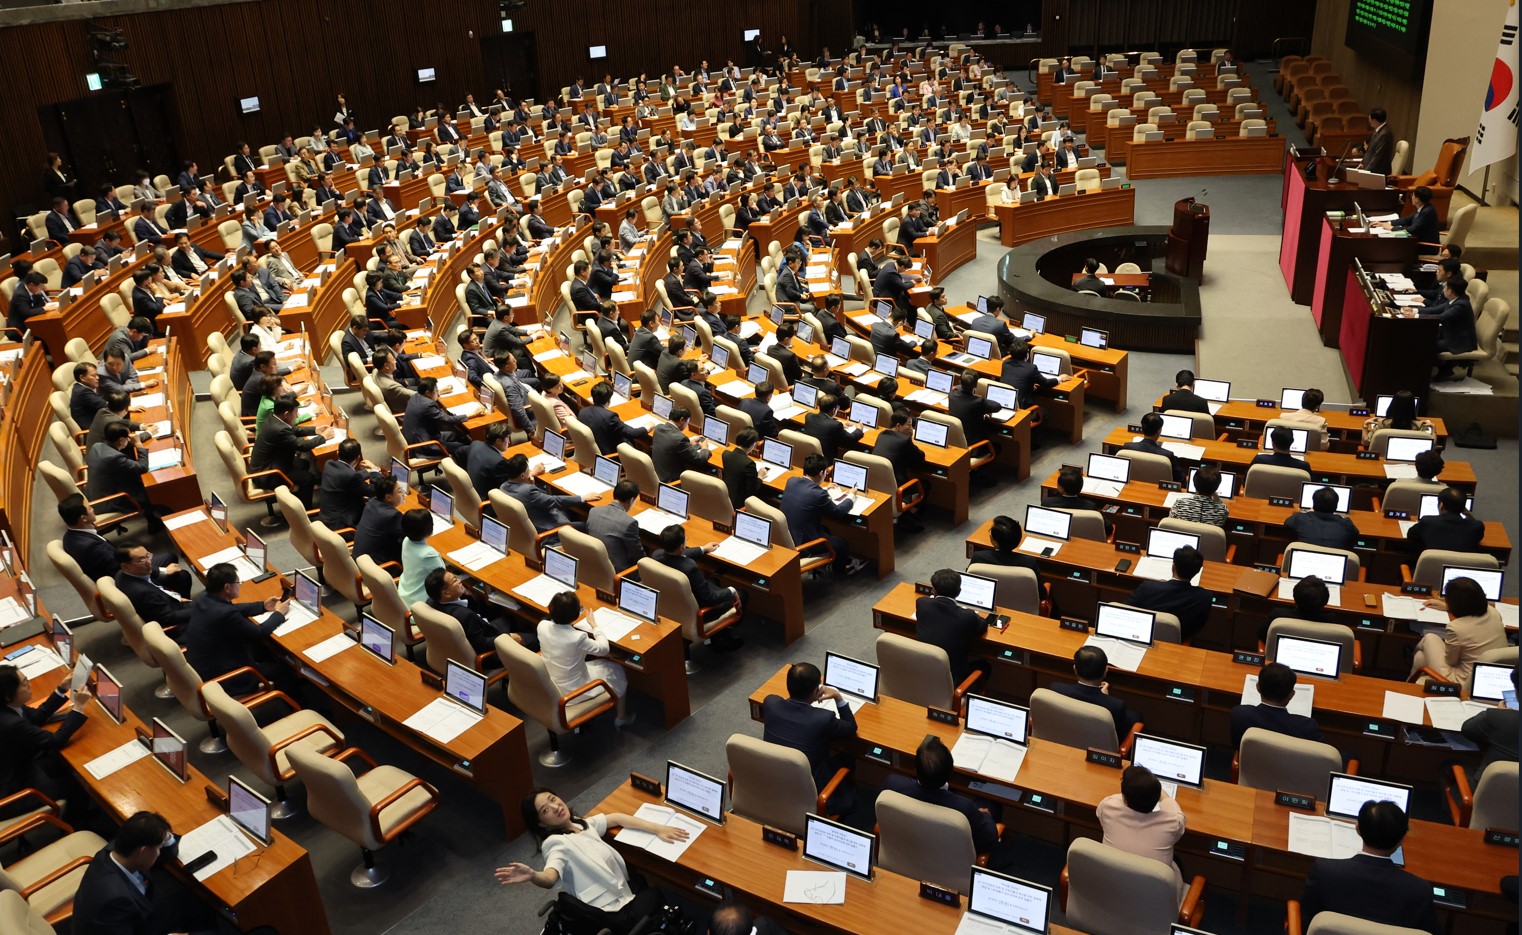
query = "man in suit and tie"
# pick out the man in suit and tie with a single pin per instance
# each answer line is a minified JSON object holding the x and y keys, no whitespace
{"x":806,"y":503}
{"x":790,"y":284}
{"x":1451,"y":529}
{"x":1455,"y":317}
{"x":1276,"y":689}
{"x":1379,"y":148}
{"x":346,"y":485}
{"x":1090,"y":664}
{"x":1421,"y":224}
{"x":895,"y":444}
{"x":145,"y":227}
{"x":222,"y":636}
{"x":827,"y":428}
{"x":277,"y":446}
{"x":645,"y":346}
{"x":913,"y":228}
{"x":83,"y":542}
{"x":612,"y":525}
{"x":673,"y":452}
{"x":1370,"y":885}
{"x":795,"y":722}
{"x":1182,"y":397}
{"x":933,"y":767}
{"x":1090,"y":281}
{"x":546,"y":511}
{"x":1279,"y":438}
{"x":79,"y":266}
{"x":478,"y":299}
{"x":426,"y":420}
{"x":84,"y":397}
{"x":889,"y":283}
{"x":607,"y":428}
{"x":584,"y":302}
{"x":27,"y":751}
{"x":29,"y":298}
{"x":1178,"y":595}
{"x":941,"y":621}
{"x":117,"y":893}
{"x":484,"y":461}
{"x":58,"y":222}
{"x":157,"y":594}
{"x":1152,"y":428}
{"x":758,"y":408}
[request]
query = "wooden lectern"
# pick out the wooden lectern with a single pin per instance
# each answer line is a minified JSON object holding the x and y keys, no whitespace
{"x":1186,"y":239}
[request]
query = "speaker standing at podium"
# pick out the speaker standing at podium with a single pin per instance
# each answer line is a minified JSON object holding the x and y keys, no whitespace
{"x":1379,"y":149}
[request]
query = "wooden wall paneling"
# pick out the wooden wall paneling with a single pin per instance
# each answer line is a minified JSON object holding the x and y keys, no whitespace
{"x":1371,"y":85}
{"x":1257,"y":25}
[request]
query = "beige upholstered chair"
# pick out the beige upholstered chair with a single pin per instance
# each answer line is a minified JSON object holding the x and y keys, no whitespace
{"x":919,"y":673}
{"x":338,"y":566}
{"x":1147,"y":467}
{"x":1065,"y":720}
{"x":1354,"y":568}
{"x":88,"y":591}
{"x":1492,"y":804}
{"x":924,"y":841}
{"x":710,"y":498}
{"x":773,"y":785}
{"x":1429,"y":564}
{"x":264,"y":749}
{"x":593,"y":567}
{"x":1269,"y":480}
{"x":676,"y":602}
{"x":521,"y":537}
{"x":1272,"y":761}
{"x":639,"y":467}
{"x":1108,"y":891}
{"x":371,"y":809}
{"x":1212,"y":538}
{"x":386,"y":603}
{"x":444,"y":642}
{"x":186,"y":684}
{"x":17,"y":917}
{"x":1015,"y":589}
{"x":47,"y":878}
{"x":1335,"y":923}
{"x":531,"y":690}
{"x":132,"y":629}
{"x":245,"y":482}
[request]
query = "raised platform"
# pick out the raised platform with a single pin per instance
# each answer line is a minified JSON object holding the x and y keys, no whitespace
{"x":1036,"y":277}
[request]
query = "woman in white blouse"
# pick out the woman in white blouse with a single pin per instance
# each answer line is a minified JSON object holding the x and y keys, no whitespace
{"x":575,"y":653}
{"x":269,"y":331}
{"x":577,"y":857}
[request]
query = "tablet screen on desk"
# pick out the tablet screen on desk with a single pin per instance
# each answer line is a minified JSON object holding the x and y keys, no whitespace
{"x":852,"y":476}
{"x":838,"y":846}
{"x":805,"y":332}
{"x":931,"y":433}
{"x":1124,"y":623}
{"x":982,"y":305}
{"x":672,"y":500}
{"x":1489,"y":579}
{"x":886,"y":364}
{"x":757,"y":530}
{"x":494,"y":533}
{"x":863,"y":413}
{"x":939,"y":380}
{"x":696,"y":792}
{"x":554,"y":444}
{"x":1033,"y":323}
{"x":622,"y":385}
{"x":851,"y":676}
{"x":441,"y":504}
{"x":1044,"y":522}
{"x":1049,"y":364}
{"x":378,"y":638}
{"x":1289,"y":400}
{"x":1179,"y":427}
{"x":169,"y":749}
{"x":638,"y":599}
{"x":108,"y":691}
{"x":804,"y":394}
{"x":1217,"y":391}
{"x":716,"y":430}
{"x":1164,"y":542}
{"x":1106,"y":467}
{"x":1003,"y":396}
{"x":1344,"y":496}
{"x":719,"y":355}
{"x":1406,"y":449}
{"x":775,"y":452}
{"x":1333,"y":569}
{"x":255,"y":549}
{"x":560,"y":566}
{"x":1093,"y":337}
{"x":756,"y":374}
{"x":1428,"y":505}
{"x":661,"y":406}
{"x":1169,"y":760}
{"x":1298,"y":440}
{"x":248,"y":809}
{"x":1382,"y":404}
{"x":465,"y":686}
{"x":841,"y":348}
{"x":606,"y":470}
{"x":1227,"y":488}
{"x":1491,"y":682}
{"x":1347,"y":794}
{"x":981,"y":348}
{"x":977,"y":591}
{"x":1309,"y":656}
{"x":1009,"y":900}
{"x":997,"y":718}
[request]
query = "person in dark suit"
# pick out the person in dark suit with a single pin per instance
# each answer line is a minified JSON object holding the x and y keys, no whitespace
{"x":645,"y":346}
{"x":29,"y":298}
{"x":277,"y":445}
{"x":732,"y":919}
{"x":1494,"y":730}
{"x":739,"y":469}
{"x":1069,"y":494}
{"x":758,"y":408}
{"x":79,"y":266}
{"x":672,"y":451}
{"x":355,"y":340}
{"x":695,"y":380}
{"x":1024,"y":376}
{"x":827,"y":428}
{"x":607,"y":427}
{"x":713,"y":599}
{"x":941,"y":621}
{"x":1177,"y":596}
{"x":1455,"y":318}
{"x":807,"y":504}
{"x":584,"y":301}
{"x":967,"y":407}
{"x":610,"y":326}
{"x":84,"y":397}
{"x":612,"y":524}
{"x":58,"y":222}
{"x":782,"y":353}
{"x":1182,"y":397}
{"x":546,"y":511}
{"x":1379,"y":147}
{"x":163,"y":600}
{"x":933,"y":766}
{"x":484,"y":461}
{"x":347,"y":481}
{"x":1090,"y":281}
{"x":379,"y":531}
{"x":1280,"y":438}
{"x":1090,"y":664}
{"x":26,"y":750}
{"x":1451,"y":528}
{"x":913,"y":227}
{"x":795,"y":722}
{"x":1005,"y":533}
{"x":426,"y":420}
{"x":1370,"y":885}
{"x":116,"y":469}
{"x":82,"y":542}
{"x":221,"y":635}
{"x":1152,"y":429}
{"x":895,"y":443}
{"x":670,"y":366}
{"x":446,"y":593}
{"x":118,"y":894}
{"x":1422,"y":224}
{"x":1276,"y":689}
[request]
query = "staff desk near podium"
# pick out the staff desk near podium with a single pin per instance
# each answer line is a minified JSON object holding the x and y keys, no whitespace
{"x":1056,"y":791}
{"x":1382,"y":351}
{"x":1241,"y":418}
{"x":1185,"y":692}
{"x":1342,"y":243}
{"x":1021,"y":223}
{"x":1305,"y":202}
{"x":492,"y":755}
{"x":1220,"y":155}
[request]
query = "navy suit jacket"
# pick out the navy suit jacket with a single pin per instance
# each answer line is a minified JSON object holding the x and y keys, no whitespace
{"x":941,"y":621}
{"x":219,"y":637}
{"x":108,"y":904}
{"x":1122,"y":715}
{"x":95,"y":555}
{"x":985,"y":832}
{"x":808,"y":729}
{"x":379,"y":533}
{"x":153,"y":602}
{"x":343,"y":494}
{"x":1190,"y":604}
{"x":806,"y":504}
{"x":608,"y":429}
{"x":1371,"y":888}
{"x":1244,"y":717}
{"x":22,"y":741}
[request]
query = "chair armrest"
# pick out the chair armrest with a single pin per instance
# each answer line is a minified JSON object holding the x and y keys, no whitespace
{"x":344,"y":755}
{"x":272,"y":471}
{"x":984,"y":444}
{"x":300,"y":735}
{"x":829,"y":789}
{"x":1062,"y":889}
{"x":1357,"y":655}
{"x":1431,"y":674}
{"x":1405,"y":574}
{"x":482,"y":659}
{"x":1236,"y":765}
{"x":274,"y":695}
{"x":409,"y":821}
{"x":1292,"y":917}
{"x":396,"y":565}
{"x":905,"y":502}
{"x":813,"y":542}
{"x":33,"y":822}
{"x":25,"y":794}
{"x":1352,"y":768}
{"x":565,"y":701}
{"x":117,"y":496}
{"x":965,"y":687}
{"x":1231,"y":553}
{"x":415,"y":445}
{"x":1193,"y":908}
{"x":264,"y":684}
{"x":1461,"y":810}
{"x":53,"y":876}
{"x":1125,"y":745}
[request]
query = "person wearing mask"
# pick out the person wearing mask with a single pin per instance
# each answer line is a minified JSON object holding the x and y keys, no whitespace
{"x":933,"y":769}
{"x":1203,"y":506}
{"x":1322,"y":525}
{"x":807,"y":503}
{"x":1142,"y":820}
{"x":1450,"y":652}
{"x":1370,"y":885}
{"x":796,"y":721}
{"x":221,"y":636}
{"x":1276,"y":689}
{"x":1188,"y":602}
{"x":575,"y":653}
{"x":1309,"y":413}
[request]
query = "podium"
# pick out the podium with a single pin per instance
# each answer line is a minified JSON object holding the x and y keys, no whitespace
{"x":1187,"y":239}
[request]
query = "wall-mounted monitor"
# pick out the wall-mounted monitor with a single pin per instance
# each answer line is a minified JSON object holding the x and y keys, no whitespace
{"x":597,"y":51}
{"x":425,"y":75}
{"x":248,"y":105}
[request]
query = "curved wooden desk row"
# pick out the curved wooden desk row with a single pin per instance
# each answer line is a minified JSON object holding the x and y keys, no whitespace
{"x":1065,"y":104}
{"x":1060,"y":214}
{"x":1187,"y":693}
{"x":1241,"y":418}
{"x":274,"y":887}
{"x":1070,"y":788}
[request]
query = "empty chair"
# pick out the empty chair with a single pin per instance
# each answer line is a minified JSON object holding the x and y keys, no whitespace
{"x":639,"y":468}
{"x":1212,"y":538}
{"x":773,"y":785}
{"x":924,"y":841}
{"x":1269,"y":480}
{"x":265,"y":750}
{"x":1273,"y":761}
{"x":1429,"y":565}
{"x":17,"y":917}
{"x":919,"y":673}
{"x":710,"y":498}
{"x":1251,"y":124}
{"x":1087,"y":524}
{"x":186,"y":683}
{"x":386,"y":604}
{"x":1075,"y":723}
{"x":246,"y":483}
{"x":46,"y":878}
{"x":532,"y":691}
{"x":1165,"y":626}
{"x":339,"y":568}
{"x":1108,"y":891}
{"x":1492,"y":804}
{"x":371,"y":809}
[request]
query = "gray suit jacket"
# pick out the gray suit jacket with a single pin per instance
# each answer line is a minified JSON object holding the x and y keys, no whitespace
{"x":619,"y":534}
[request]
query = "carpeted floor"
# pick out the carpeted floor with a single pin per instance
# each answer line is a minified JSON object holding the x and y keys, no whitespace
{"x":443,"y":879}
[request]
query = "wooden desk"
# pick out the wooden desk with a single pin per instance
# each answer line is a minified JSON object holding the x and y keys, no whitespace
{"x":1339,"y":248}
{"x":1021,"y":223}
{"x":1384,"y":353}
{"x":945,"y":253}
{"x":1241,"y":418}
{"x":1305,"y":203}
{"x":1231,"y":155}
{"x":492,"y":755}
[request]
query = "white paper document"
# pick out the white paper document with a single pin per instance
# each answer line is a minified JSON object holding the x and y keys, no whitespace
{"x":613,"y":625}
{"x":475,"y":556}
{"x":1037,"y":546}
{"x":147,"y":400}
{"x":12,"y":612}
{"x":186,"y":519}
{"x":655,"y":521}
{"x":547,"y":462}
{"x":40,"y":661}
{"x":1155,"y":567}
{"x":331,"y":646}
{"x":1451,"y":713}
{"x":648,"y":840}
{"x":443,"y":720}
{"x":547,"y":356}
{"x":648,"y":421}
{"x":1304,"y":700}
{"x":221,"y":835}
{"x":161,"y":458}
{"x":120,"y":758}
{"x":582,"y":485}
{"x":1184,"y":450}
{"x":1408,"y":708}
{"x":428,"y":362}
{"x":539,"y":590}
{"x":1121,"y":654}
{"x":1400,"y":607}
{"x":1400,"y":471}
{"x":1319,"y":836}
{"x":1508,"y":614}
{"x":466,"y":410}
{"x":1094,"y":487}
{"x":989,"y":756}
{"x":295,"y":619}
{"x":738,"y":551}
{"x":815,"y":887}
